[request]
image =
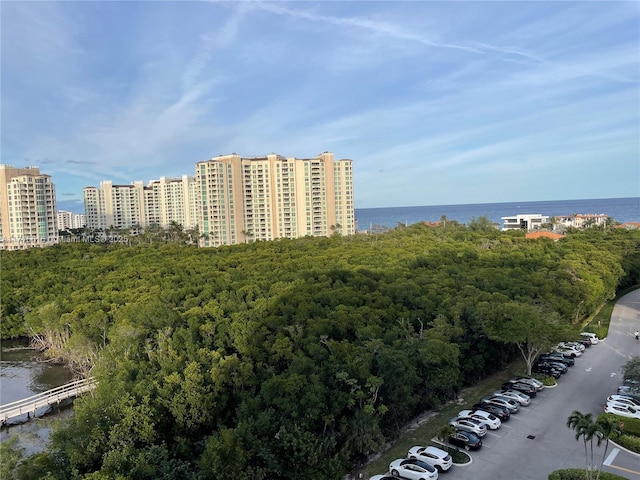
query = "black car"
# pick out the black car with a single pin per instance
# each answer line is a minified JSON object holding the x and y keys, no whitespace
{"x":547,"y":370}
{"x":502,"y":413}
{"x":520,"y":387}
{"x":584,"y":341}
{"x":561,"y":367}
{"x":558,"y":357}
{"x":466,"y":440}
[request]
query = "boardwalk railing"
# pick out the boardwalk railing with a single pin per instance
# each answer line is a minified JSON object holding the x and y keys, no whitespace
{"x":30,"y":405}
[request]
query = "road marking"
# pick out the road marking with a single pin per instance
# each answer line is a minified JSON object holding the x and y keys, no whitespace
{"x":587,"y":369}
{"x":624,"y":469}
{"x":491,"y":433}
{"x":612,"y":374}
{"x":611,"y":456}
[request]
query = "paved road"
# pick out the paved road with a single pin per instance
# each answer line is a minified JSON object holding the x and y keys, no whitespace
{"x":536,"y":441}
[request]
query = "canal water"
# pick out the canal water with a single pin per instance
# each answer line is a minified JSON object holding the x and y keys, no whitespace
{"x":24,"y":373}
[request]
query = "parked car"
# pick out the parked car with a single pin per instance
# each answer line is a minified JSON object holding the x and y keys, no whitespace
{"x":568,"y":351}
{"x":558,"y":357}
{"x":625,"y":400}
{"x":546,"y":370}
{"x":576,"y":345}
{"x":522,"y":398}
{"x":502,"y":413}
{"x":622,"y":410}
{"x":585,"y":342}
{"x":413,"y":469}
{"x":561,"y":367}
{"x":502,"y":402}
{"x":386,"y":476}
{"x":520,"y":387}
{"x":466,"y":440}
{"x":628,"y":390}
{"x":478,"y":427}
{"x":489,"y":419}
{"x":592,"y":337}
{"x":433,"y":456}
{"x":531,"y":381}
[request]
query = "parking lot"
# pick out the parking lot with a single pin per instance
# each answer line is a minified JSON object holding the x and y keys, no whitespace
{"x":536,"y":440}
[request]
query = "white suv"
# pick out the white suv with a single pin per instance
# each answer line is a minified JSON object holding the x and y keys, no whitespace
{"x":592,"y":337}
{"x":489,"y":419}
{"x":433,"y":456}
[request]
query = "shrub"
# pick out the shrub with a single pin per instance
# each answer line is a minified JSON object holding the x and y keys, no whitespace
{"x":630,"y":442}
{"x":631,"y":425}
{"x":578,"y":474}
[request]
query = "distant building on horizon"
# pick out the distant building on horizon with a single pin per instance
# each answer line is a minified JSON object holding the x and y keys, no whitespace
{"x":244,"y":199}
{"x":27,"y":208}
{"x":161,"y":202}
{"x":578,"y":220}
{"x":68,"y":220}
{"x":531,"y":221}
{"x":234,"y":199}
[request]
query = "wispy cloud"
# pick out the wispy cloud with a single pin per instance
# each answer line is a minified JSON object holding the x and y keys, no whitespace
{"x":456,"y":96}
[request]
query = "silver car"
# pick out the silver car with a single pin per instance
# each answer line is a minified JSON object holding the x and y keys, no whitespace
{"x":473,"y":425}
{"x":522,"y":398}
{"x":503,"y":402}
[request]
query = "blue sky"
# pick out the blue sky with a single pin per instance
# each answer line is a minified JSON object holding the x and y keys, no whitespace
{"x":435,"y":102}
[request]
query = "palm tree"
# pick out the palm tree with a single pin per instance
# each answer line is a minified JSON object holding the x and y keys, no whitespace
{"x":608,"y":428}
{"x":582,"y":423}
{"x":603,"y":428}
{"x":444,"y":434}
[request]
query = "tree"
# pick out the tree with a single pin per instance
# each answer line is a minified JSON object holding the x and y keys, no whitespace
{"x":585,"y":427}
{"x":482,"y":224}
{"x":530,"y":327}
{"x":605,"y":427}
{"x":444,"y":433}
{"x":609,"y":428}
{"x":10,"y":457}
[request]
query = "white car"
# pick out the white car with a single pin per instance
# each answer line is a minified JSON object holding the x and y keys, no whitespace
{"x":592,"y":337}
{"x":386,"y":476}
{"x":413,"y":469}
{"x":522,"y":398}
{"x":625,"y":400}
{"x":576,"y":345}
{"x":433,"y":456}
{"x":489,"y":419}
{"x":622,"y":410}
{"x":473,"y":425}
{"x":570,"y":351}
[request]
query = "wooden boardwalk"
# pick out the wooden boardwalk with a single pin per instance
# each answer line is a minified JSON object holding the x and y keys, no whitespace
{"x":30,"y":406}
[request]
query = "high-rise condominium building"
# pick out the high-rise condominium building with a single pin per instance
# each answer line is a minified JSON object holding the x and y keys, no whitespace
{"x":27,"y":208}
{"x":68,"y":220}
{"x":161,"y":202}
{"x":264,"y":198}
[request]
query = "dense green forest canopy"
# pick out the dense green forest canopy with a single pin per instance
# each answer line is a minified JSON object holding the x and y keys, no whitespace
{"x":294,"y":358}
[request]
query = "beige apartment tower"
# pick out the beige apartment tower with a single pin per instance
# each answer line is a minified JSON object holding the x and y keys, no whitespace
{"x":27,"y":208}
{"x":160,"y":203}
{"x":264,"y":198}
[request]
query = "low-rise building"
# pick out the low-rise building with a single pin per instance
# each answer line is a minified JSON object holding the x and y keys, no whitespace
{"x":529,"y":221}
{"x":579,"y":220}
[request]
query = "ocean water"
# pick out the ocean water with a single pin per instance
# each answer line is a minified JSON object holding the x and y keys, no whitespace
{"x":620,"y":209}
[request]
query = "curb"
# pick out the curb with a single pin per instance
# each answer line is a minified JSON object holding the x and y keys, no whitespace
{"x":636,"y":454}
{"x":435,"y":440}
